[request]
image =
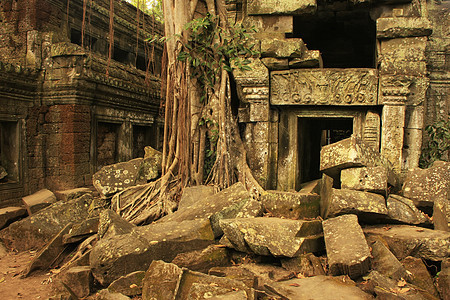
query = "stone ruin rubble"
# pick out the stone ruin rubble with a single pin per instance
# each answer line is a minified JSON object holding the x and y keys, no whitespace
{"x":360,"y":232}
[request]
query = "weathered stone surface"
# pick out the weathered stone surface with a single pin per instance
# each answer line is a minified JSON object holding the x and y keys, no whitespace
{"x":151,"y":166}
{"x":403,"y":210}
{"x":239,"y":273}
{"x":232,"y":202}
{"x":35,"y":231}
{"x":38,"y":201}
{"x":119,"y":255}
{"x":348,"y":153}
{"x":48,"y":256}
{"x":369,"y":179}
{"x":420,"y":276}
{"x":347,"y":249}
{"x":68,"y":195}
{"x":318,"y":288}
{"x":270,"y":24}
{"x":111,"y":224}
{"x":129,"y":285}
{"x":81,"y":230}
{"x":384,"y":261}
{"x":237,"y":295}
{"x":282,"y":48}
{"x":10,"y":214}
{"x":339,"y":202}
{"x":107,"y":295}
{"x":274,"y":64}
{"x":424,"y":186}
{"x":307,"y":265}
{"x":404,"y":240}
{"x":309,"y":59}
{"x":203,"y":260}
{"x":441,"y":214}
{"x":275,"y":7}
{"x":443,"y":280}
{"x":78,"y":279}
{"x":267,"y":272}
{"x":403,"y":56}
{"x":403,"y":27}
{"x":161,"y":281}
{"x":193,"y":194}
{"x":311,"y":187}
{"x":291,"y":205}
{"x":273,"y":236}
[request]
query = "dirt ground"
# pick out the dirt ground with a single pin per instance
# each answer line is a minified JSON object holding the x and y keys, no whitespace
{"x":13,"y":286}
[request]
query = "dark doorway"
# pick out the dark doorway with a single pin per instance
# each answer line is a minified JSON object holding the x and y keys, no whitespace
{"x":313,"y":134}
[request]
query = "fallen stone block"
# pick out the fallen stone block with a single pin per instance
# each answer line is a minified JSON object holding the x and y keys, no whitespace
{"x":405,"y":240}
{"x":111,"y":224}
{"x":191,"y":195}
{"x":291,"y":205}
{"x":267,"y":273}
{"x":441,"y":214}
{"x":119,"y":255}
{"x":348,"y":153}
{"x":274,"y":7}
{"x":311,"y":187}
{"x":420,"y":276}
{"x":282,"y":48}
{"x":275,"y":64}
{"x":237,"y":295}
{"x":403,"y":210}
{"x":107,"y":295}
{"x":368,"y":179}
{"x":203,"y":260}
{"x":81,"y":231}
{"x":129,"y":285}
{"x":78,"y":279}
{"x":336,"y":202}
{"x":443,"y":280}
{"x":273,"y":236}
{"x":425,"y":186}
{"x":68,"y":195}
{"x":347,"y":249}
{"x":384,"y":262}
{"x":307,"y":265}
{"x":237,"y":273}
{"x":151,"y":166}
{"x":39,"y":200}
{"x":35,"y":231}
{"x":318,"y":288}
{"x":232,"y":202}
{"x":11,"y":214}
{"x":309,"y":59}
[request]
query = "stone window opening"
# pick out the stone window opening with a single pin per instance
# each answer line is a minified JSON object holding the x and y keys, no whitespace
{"x":9,"y":152}
{"x":344,"y":34}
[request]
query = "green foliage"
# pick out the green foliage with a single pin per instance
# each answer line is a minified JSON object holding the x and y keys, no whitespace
{"x":438,"y":145}
{"x":150,"y":7}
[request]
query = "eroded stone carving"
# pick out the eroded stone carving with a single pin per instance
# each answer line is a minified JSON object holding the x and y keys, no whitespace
{"x":324,"y":87}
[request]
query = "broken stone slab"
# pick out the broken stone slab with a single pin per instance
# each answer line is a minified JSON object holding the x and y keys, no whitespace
{"x":368,"y":179}
{"x":403,"y":27}
{"x":151,"y":167}
{"x":282,"y":48}
{"x":267,"y":272}
{"x":347,"y":249}
{"x":232,"y":202}
{"x":168,"y":281}
{"x":78,"y":279}
{"x":11,"y":214}
{"x":403,"y":210}
{"x":424,"y":186}
{"x":405,"y":240}
{"x":237,"y":295}
{"x":193,"y":194}
{"x":311,"y":187}
{"x":420,"y":276}
{"x":291,"y":205}
{"x":48,"y":256}
{"x":237,"y":273}
{"x":349,"y":153}
{"x":118,"y":255}
{"x":107,"y":295}
{"x":68,"y":195}
{"x":111,"y":224}
{"x":309,"y":59}
{"x":35,"y":231}
{"x":307,"y":265}
{"x":443,"y":280}
{"x":275,"y":7}
{"x":275,"y":64}
{"x":318,"y":288}
{"x":82,"y":230}
{"x":384,"y":262}
{"x":112,"y":179}
{"x":203,"y":260}
{"x":129,"y":285}
{"x":336,"y":202}
{"x":441,"y":214}
{"x":39,"y":200}
{"x":273,"y":236}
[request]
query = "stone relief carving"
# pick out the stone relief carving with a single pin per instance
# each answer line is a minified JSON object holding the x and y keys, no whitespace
{"x":324,"y":87}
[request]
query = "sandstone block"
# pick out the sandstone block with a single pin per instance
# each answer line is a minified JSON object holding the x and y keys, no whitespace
{"x":111,"y":224}
{"x":403,"y":210}
{"x":275,"y":7}
{"x":129,"y":285}
{"x":68,"y":195}
{"x":273,"y":236}
{"x":420,"y":276}
{"x":79,"y":280}
{"x":307,"y":264}
{"x":282,"y":48}
{"x":193,"y":194}
{"x":81,"y":231}
{"x":369,"y":179}
{"x":283,"y":24}
{"x":403,"y":27}
{"x":203,"y":260}
{"x":404,"y":56}
{"x":291,"y":205}
{"x":38,"y":201}
{"x":237,"y":273}
{"x":443,"y":280}
{"x":10,"y":214}
{"x":309,"y":59}
{"x":441,"y":214}
{"x":347,"y":249}
{"x":274,"y":64}
{"x":405,"y":240}
{"x":107,"y":295}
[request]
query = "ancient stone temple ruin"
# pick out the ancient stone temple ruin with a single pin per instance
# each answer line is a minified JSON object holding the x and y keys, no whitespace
{"x":65,"y":110}
{"x":330,"y":69}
